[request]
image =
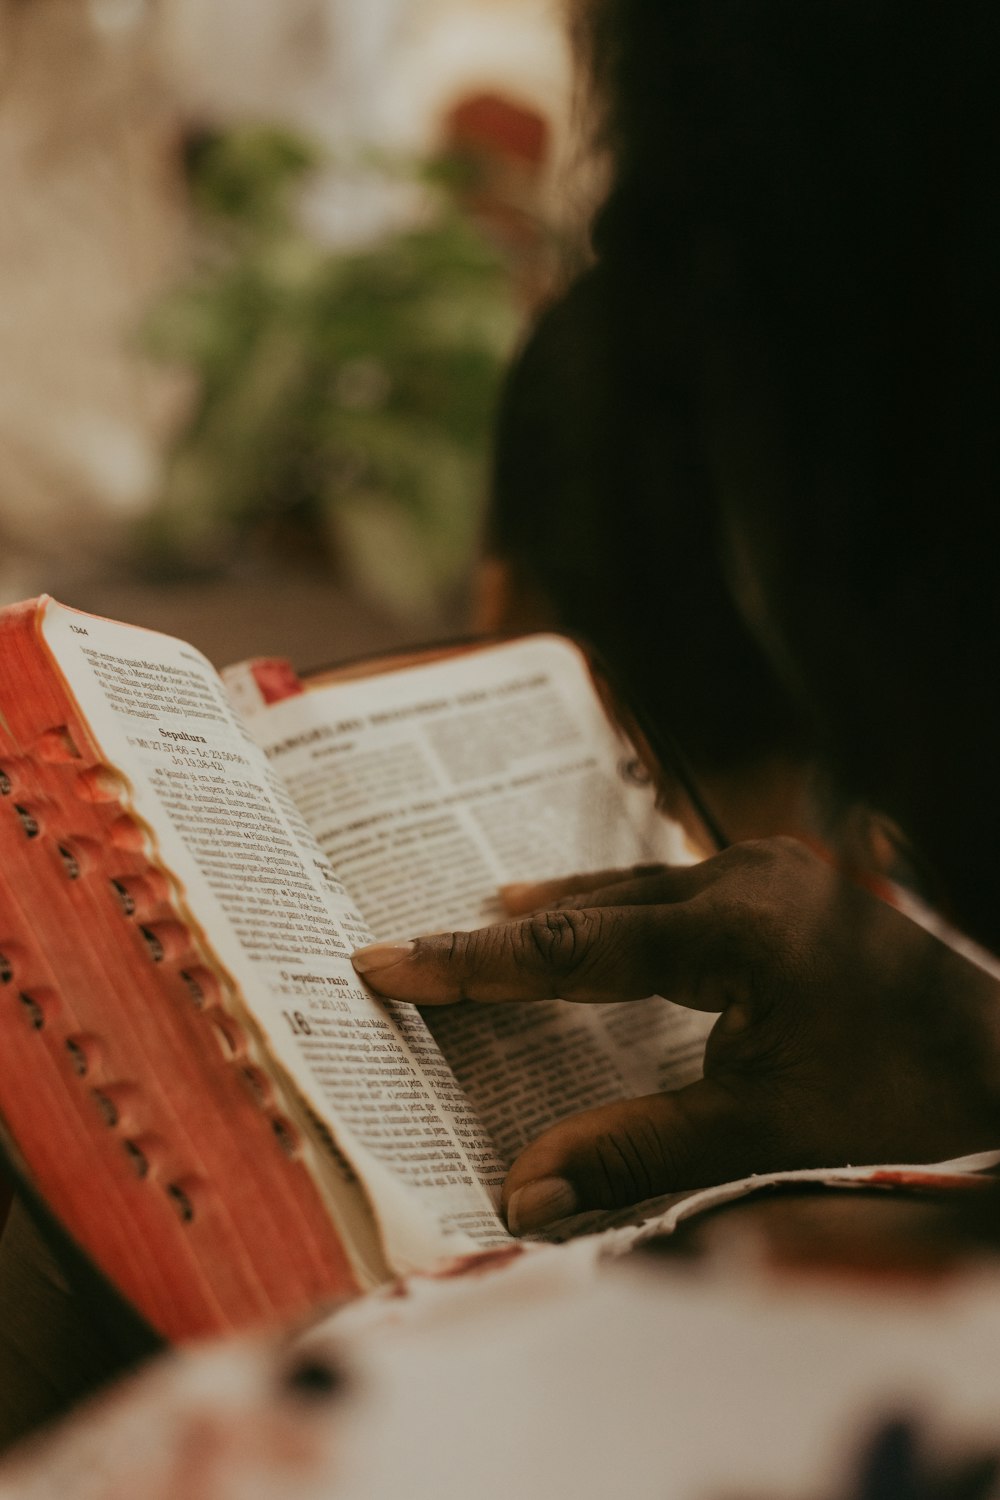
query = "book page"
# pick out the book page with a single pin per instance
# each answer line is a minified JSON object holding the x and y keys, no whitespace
{"x":429,"y":787}
{"x":271,"y":914}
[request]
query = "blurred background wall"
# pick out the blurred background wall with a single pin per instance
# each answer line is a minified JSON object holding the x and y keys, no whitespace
{"x":261,"y":265}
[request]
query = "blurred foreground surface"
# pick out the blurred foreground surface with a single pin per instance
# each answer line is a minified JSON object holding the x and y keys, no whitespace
{"x":656,"y":1379}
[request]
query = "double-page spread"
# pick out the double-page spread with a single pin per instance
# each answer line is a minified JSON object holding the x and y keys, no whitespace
{"x":429,"y":788}
{"x":286,"y":829}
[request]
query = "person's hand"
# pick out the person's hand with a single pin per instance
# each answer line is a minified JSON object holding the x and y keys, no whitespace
{"x":847,"y":1033}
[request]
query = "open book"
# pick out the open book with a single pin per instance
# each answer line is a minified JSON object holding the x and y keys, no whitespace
{"x":192,"y":1076}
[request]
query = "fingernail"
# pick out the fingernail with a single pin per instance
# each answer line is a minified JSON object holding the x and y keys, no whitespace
{"x":380,"y":956}
{"x":540,"y":1203}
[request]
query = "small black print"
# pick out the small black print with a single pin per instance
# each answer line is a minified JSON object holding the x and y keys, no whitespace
{"x":255,"y":1083}
{"x":107,"y":1106}
{"x":125,"y":900}
{"x":28,"y":822}
{"x":78,"y":1058}
{"x":194,"y":988}
{"x":153,"y":944}
{"x":182,"y":1203}
{"x":33,"y":1010}
{"x":138,"y":1159}
{"x":285,"y":1136}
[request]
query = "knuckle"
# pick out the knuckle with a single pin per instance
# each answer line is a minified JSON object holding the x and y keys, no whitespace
{"x":458,"y":955}
{"x":638,"y":1159}
{"x":456,"y":949}
{"x":627,"y":1165}
{"x":456,"y":944}
{"x":556,"y":941}
{"x":468,"y":955}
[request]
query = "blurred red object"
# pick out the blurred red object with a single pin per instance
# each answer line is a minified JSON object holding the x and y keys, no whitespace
{"x":492,"y":125}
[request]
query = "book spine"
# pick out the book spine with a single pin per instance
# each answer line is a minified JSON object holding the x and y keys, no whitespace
{"x":126,"y":1085}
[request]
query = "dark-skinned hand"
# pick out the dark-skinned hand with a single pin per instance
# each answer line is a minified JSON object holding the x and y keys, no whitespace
{"x":847,"y":1033}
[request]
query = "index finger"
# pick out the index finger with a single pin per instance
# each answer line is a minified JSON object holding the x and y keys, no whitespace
{"x":594,"y":954}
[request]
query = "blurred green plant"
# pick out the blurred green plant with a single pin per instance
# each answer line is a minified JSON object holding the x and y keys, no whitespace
{"x":344,"y":398}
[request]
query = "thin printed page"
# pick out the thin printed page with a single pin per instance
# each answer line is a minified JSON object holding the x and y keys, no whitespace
{"x":427,"y":788}
{"x":273,"y":915}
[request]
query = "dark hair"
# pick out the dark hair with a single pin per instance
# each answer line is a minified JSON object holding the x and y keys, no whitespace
{"x":598,"y":507}
{"x":806,"y":202}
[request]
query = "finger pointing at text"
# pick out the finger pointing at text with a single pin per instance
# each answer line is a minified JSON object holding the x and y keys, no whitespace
{"x":846,"y":1033}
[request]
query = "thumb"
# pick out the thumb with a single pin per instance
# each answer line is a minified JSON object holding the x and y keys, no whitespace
{"x":638,"y":1148}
